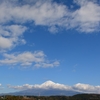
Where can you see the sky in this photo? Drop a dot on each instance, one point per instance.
(49, 42)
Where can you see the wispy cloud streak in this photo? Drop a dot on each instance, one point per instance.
(36, 59)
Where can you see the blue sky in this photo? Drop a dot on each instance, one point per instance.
(55, 40)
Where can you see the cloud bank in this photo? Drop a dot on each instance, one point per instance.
(79, 87)
(14, 14)
(85, 18)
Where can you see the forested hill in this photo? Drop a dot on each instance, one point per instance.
(75, 97)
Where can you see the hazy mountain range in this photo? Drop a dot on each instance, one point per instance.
(46, 92)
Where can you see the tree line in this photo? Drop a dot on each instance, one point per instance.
(75, 97)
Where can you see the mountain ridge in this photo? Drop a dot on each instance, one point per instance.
(49, 88)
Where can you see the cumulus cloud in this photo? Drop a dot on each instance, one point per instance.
(87, 88)
(86, 18)
(79, 87)
(37, 59)
(11, 35)
(13, 15)
(46, 85)
(42, 13)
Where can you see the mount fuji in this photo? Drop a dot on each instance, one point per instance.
(48, 88)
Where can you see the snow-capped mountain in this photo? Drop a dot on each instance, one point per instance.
(52, 88)
(46, 89)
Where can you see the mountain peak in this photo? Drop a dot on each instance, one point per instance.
(49, 82)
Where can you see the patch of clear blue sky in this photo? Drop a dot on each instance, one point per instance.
(78, 54)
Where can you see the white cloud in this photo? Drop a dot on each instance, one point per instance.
(86, 18)
(37, 59)
(84, 88)
(42, 13)
(11, 35)
(5, 43)
(50, 84)
(48, 13)
(1, 87)
(0, 84)
(46, 85)
(87, 88)
(53, 29)
(47, 64)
